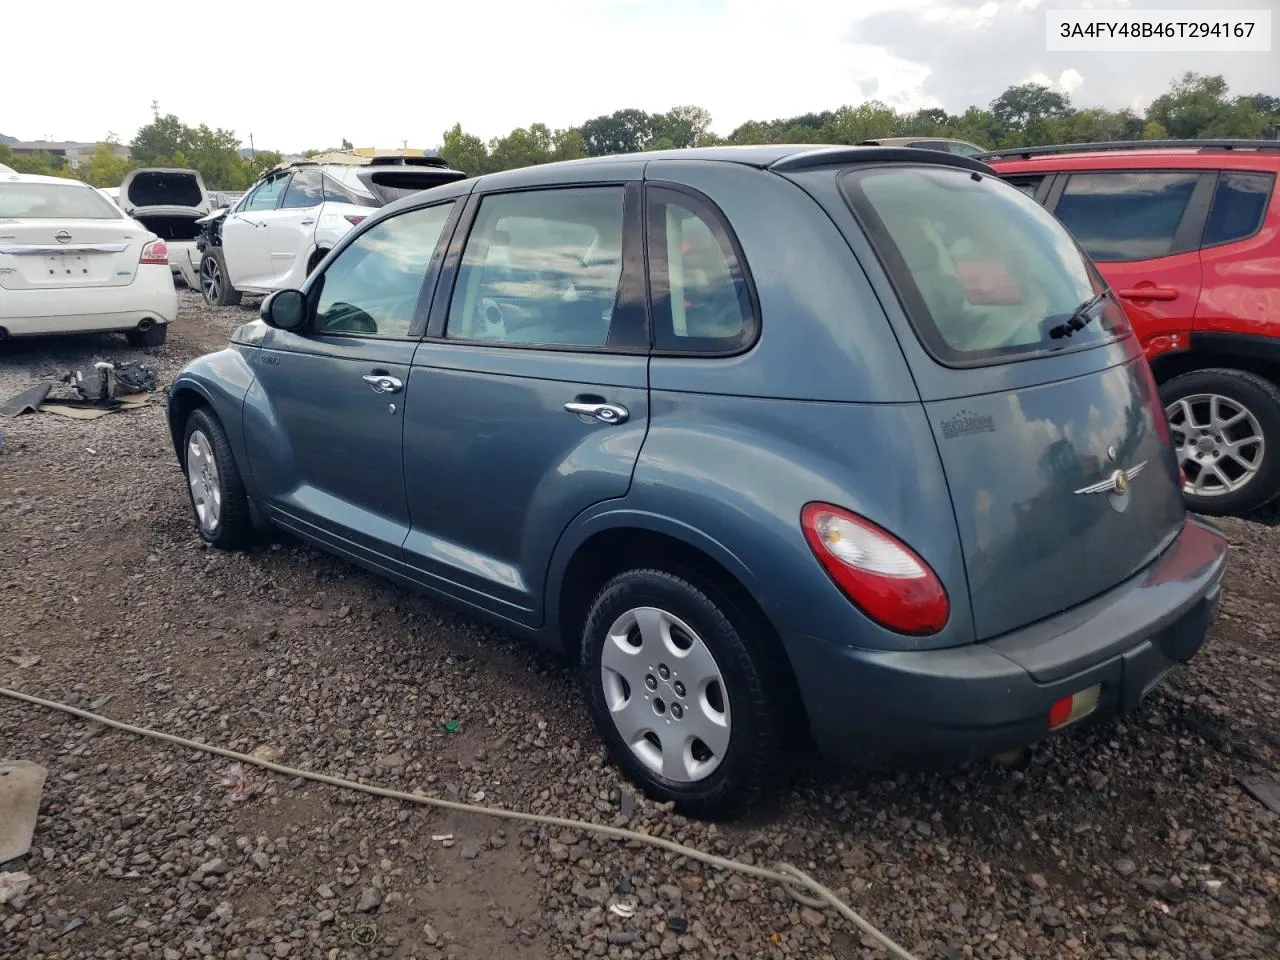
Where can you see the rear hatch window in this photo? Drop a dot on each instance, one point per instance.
(53, 201)
(1047, 420)
(164, 189)
(985, 274)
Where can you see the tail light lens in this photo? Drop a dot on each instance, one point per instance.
(354, 218)
(157, 251)
(883, 577)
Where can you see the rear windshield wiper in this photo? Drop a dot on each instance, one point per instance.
(1079, 317)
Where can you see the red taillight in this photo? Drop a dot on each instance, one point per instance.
(354, 218)
(884, 577)
(157, 251)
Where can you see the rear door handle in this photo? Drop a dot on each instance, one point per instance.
(612, 413)
(383, 383)
(1148, 293)
(307, 223)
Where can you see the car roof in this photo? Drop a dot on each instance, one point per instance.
(1196, 154)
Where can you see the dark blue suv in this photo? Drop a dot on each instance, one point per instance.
(780, 443)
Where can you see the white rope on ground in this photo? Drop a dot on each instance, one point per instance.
(792, 879)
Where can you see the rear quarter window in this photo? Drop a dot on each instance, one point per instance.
(1239, 204)
(984, 273)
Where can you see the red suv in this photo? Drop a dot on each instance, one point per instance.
(1187, 234)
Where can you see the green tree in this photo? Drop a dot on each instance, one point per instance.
(464, 151)
(682, 126)
(1022, 104)
(105, 168)
(1197, 107)
(623, 131)
(864, 122)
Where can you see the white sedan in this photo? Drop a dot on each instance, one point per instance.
(72, 262)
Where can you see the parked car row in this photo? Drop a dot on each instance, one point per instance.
(1187, 234)
(780, 444)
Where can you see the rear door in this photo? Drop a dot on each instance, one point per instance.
(1240, 258)
(1142, 228)
(64, 235)
(1046, 417)
(530, 398)
(291, 229)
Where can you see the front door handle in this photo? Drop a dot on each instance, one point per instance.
(1148, 293)
(383, 383)
(612, 413)
(307, 223)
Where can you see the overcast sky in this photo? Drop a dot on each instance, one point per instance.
(299, 75)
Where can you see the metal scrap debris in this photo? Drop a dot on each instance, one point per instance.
(104, 388)
(21, 783)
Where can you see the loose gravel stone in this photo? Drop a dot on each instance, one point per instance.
(167, 853)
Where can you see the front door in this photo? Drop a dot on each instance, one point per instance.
(1143, 228)
(328, 453)
(530, 399)
(245, 246)
(290, 228)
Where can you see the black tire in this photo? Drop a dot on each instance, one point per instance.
(759, 724)
(153, 336)
(215, 282)
(1255, 394)
(233, 527)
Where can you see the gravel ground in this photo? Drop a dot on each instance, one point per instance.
(1132, 840)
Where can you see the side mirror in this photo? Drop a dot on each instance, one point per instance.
(285, 310)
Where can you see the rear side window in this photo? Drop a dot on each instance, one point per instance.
(1027, 184)
(54, 201)
(542, 268)
(305, 190)
(1239, 204)
(1125, 216)
(701, 299)
(984, 273)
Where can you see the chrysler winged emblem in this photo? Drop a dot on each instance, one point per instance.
(1117, 484)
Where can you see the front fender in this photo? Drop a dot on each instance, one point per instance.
(219, 381)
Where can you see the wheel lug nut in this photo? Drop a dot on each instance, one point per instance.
(677, 711)
(663, 672)
(679, 687)
(651, 682)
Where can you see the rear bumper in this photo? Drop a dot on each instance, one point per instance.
(945, 706)
(151, 296)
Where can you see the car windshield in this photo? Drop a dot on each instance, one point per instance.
(984, 272)
(54, 201)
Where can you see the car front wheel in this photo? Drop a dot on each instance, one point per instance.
(215, 282)
(679, 694)
(213, 483)
(1226, 430)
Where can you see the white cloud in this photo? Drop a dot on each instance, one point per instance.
(1069, 80)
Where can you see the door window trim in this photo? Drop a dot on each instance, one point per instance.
(628, 337)
(706, 210)
(426, 290)
(1191, 227)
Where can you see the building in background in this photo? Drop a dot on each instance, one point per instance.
(73, 151)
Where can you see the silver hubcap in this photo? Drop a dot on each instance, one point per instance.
(210, 278)
(202, 475)
(665, 694)
(1219, 442)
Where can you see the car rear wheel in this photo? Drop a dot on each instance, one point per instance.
(213, 483)
(215, 283)
(677, 690)
(1226, 430)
